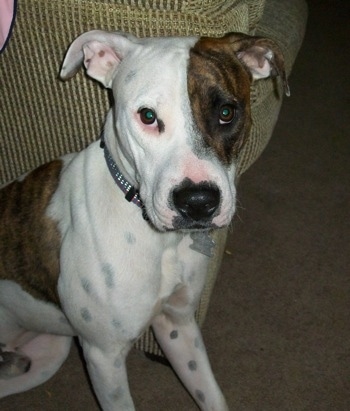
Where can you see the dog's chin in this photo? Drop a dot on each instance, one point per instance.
(188, 225)
(181, 224)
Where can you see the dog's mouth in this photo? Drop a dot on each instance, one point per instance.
(190, 207)
(178, 223)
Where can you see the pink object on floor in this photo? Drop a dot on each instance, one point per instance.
(7, 14)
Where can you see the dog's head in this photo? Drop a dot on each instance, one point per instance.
(181, 116)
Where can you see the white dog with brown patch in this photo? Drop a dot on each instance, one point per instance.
(103, 243)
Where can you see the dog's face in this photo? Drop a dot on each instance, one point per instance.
(181, 115)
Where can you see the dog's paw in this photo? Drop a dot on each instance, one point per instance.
(13, 364)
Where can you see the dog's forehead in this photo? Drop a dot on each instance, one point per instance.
(161, 61)
(157, 60)
(214, 62)
(154, 75)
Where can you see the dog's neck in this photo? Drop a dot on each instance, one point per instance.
(115, 147)
(131, 194)
(202, 242)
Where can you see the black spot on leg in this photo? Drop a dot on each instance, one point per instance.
(86, 315)
(198, 343)
(174, 334)
(200, 396)
(192, 365)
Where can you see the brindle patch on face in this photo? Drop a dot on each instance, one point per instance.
(29, 240)
(217, 78)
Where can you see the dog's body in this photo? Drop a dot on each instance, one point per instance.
(78, 259)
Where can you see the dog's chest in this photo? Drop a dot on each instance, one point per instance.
(144, 265)
(176, 268)
(118, 293)
(110, 247)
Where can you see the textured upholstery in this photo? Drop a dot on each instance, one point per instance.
(68, 116)
(42, 118)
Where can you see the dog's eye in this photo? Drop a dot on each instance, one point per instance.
(148, 116)
(226, 114)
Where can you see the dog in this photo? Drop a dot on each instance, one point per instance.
(103, 243)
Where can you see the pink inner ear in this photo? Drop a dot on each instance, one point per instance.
(257, 60)
(100, 61)
(6, 17)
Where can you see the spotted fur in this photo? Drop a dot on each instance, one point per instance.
(76, 258)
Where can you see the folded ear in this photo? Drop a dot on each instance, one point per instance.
(261, 56)
(100, 51)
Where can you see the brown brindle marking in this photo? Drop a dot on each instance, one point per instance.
(29, 240)
(216, 77)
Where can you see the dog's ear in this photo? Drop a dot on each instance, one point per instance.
(100, 51)
(260, 55)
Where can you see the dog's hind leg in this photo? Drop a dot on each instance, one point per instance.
(33, 361)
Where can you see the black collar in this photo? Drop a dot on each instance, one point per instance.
(131, 194)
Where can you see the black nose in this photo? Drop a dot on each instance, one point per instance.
(196, 201)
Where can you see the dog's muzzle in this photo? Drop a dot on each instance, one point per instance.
(196, 204)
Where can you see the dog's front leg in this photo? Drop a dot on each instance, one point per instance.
(108, 375)
(182, 343)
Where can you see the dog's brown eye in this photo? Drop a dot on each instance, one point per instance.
(148, 116)
(226, 114)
